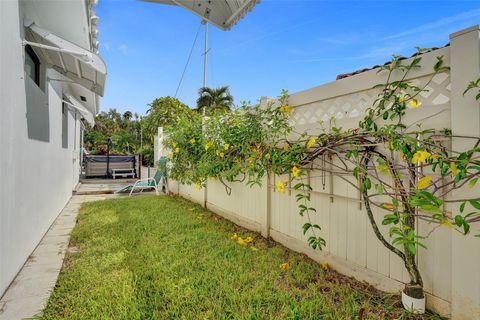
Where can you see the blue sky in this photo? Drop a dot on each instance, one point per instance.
(281, 44)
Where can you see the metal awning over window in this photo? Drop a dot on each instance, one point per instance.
(75, 62)
(76, 106)
(222, 13)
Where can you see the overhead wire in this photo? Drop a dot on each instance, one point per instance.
(188, 59)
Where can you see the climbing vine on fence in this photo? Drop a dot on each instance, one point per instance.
(405, 169)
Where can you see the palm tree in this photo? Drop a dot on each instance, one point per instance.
(213, 99)
(127, 115)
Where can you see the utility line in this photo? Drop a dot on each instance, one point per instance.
(188, 60)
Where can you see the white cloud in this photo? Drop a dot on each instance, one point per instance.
(123, 48)
(105, 45)
(435, 24)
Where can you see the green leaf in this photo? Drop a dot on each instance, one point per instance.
(431, 208)
(355, 172)
(306, 227)
(466, 228)
(411, 248)
(459, 220)
(472, 182)
(475, 204)
(368, 183)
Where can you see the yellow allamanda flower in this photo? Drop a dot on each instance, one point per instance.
(421, 156)
(311, 142)
(177, 150)
(453, 168)
(424, 182)
(401, 100)
(383, 168)
(286, 146)
(387, 205)
(445, 222)
(221, 154)
(286, 109)
(170, 156)
(280, 186)
(414, 103)
(192, 141)
(198, 185)
(296, 171)
(226, 146)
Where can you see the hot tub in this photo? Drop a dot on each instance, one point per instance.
(96, 165)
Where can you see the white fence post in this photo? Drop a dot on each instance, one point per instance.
(266, 221)
(465, 67)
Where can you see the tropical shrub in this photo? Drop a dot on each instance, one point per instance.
(405, 170)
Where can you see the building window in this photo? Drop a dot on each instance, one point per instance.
(32, 65)
(64, 126)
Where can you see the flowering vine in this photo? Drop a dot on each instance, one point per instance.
(406, 170)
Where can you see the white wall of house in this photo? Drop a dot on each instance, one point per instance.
(36, 176)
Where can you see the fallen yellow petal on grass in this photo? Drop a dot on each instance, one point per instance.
(208, 145)
(248, 239)
(253, 248)
(325, 265)
(285, 266)
(241, 241)
(234, 237)
(424, 182)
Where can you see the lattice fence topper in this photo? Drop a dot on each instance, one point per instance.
(437, 93)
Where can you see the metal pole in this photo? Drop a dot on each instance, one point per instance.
(203, 111)
(205, 56)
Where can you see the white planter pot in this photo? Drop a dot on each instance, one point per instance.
(414, 305)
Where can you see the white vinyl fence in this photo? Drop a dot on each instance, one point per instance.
(451, 265)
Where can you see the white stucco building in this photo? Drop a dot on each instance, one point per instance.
(51, 78)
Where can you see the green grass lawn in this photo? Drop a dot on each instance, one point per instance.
(150, 257)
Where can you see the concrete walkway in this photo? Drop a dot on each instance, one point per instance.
(29, 292)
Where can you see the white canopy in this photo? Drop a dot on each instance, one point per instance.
(76, 106)
(75, 62)
(222, 13)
